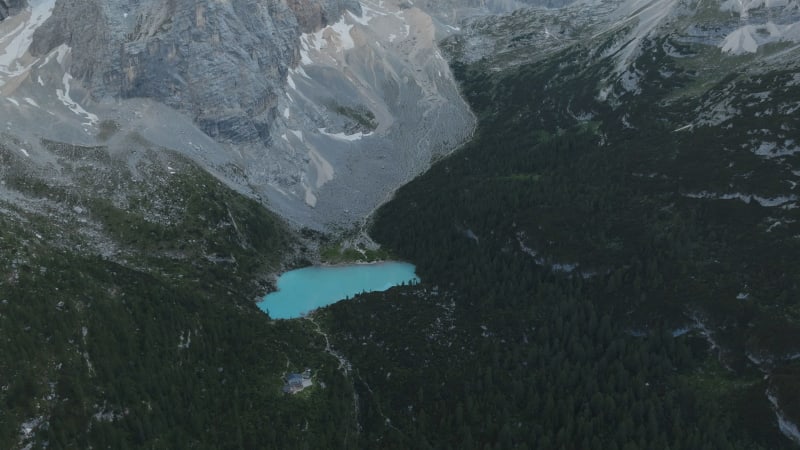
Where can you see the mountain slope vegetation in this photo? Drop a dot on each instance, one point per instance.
(610, 263)
(126, 314)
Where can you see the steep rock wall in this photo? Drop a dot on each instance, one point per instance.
(314, 14)
(222, 62)
(321, 108)
(10, 7)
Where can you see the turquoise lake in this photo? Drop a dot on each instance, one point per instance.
(303, 290)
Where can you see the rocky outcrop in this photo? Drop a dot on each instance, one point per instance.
(82, 25)
(315, 14)
(11, 7)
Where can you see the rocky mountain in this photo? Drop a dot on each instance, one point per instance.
(252, 81)
(614, 244)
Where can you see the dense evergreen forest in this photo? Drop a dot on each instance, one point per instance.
(577, 295)
(159, 343)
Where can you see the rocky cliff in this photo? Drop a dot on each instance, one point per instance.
(222, 62)
(322, 107)
(10, 7)
(314, 14)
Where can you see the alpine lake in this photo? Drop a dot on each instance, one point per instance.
(303, 290)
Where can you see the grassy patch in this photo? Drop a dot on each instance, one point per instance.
(360, 114)
(337, 253)
(524, 177)
(718, 382)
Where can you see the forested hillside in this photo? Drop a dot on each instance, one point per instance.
(144, 335)
(589, 284)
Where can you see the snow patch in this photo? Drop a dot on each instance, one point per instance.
(342, 32)
(31, 102)
(787, 427)
(336, 37)
(12, 101)
(775, 150)
(72, 105)
(740, 41)
(14, 45)
(345, 137)
(748, 38)
(59, 53)
(747, 198)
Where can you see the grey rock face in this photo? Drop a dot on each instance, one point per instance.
(222, 62)
(11, 7)
(455, 10)
(272, 96)
(314, 14)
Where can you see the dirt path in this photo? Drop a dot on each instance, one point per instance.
(344, 364)
(345, 367)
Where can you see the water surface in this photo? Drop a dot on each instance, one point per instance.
(302, 290)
